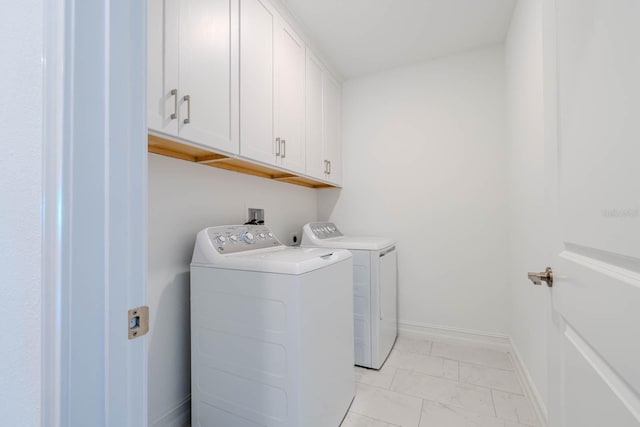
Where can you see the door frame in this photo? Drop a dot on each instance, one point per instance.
(94, 212)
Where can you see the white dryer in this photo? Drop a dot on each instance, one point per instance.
(271, 331)
(375, 282)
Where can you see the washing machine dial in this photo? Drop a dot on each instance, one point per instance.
(261, 236)
(221, 240)
(233, 238)
(247, 237)
(270, 235)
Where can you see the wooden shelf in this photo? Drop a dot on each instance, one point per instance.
(183, 151)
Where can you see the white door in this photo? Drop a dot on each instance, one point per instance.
(593, 153)
(257, 25)
(208, 73)
(289, 97)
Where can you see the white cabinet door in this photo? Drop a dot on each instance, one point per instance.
(290, 97)
(193, 52)
(208, 73)
(331, 118)
(314, 124)
(257, 25)
(323, 123)
(162, 69)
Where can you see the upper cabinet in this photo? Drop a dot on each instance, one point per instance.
(272, 88)
(322, 123)
(232, 85)
(193, 77)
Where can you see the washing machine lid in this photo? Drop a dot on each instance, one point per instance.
(285, 260)
(327, 235)
(255, 248)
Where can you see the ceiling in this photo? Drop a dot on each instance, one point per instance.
(364, 36)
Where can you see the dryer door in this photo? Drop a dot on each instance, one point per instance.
(387, 302)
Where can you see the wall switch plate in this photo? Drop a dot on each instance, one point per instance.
(255, 214)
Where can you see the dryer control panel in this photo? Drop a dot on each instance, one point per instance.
(228, 239)
(325, 230)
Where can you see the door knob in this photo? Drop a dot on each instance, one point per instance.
(545, 276)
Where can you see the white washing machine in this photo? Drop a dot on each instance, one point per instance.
(271, 331)
(375, 282)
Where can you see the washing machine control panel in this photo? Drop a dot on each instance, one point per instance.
(228, 239)
(325, 230)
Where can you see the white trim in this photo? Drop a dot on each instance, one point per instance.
(52, 238)
(491, 339)
(530, 389)
(113, 259)
(180, 416)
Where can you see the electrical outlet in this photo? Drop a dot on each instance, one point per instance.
(294, 239)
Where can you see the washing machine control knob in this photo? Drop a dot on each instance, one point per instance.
(270, 235)
(247, 237)
(233, 238)
(221, 240)
(261, 235)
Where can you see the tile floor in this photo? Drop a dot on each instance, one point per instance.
(441, 384)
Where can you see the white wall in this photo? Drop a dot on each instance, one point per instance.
(21, 42)
(183, 199)
(424, 152)
(530, 306)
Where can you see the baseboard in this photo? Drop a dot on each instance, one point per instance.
(488, 339)
(180, 416)
(447, 333)
(530, 387)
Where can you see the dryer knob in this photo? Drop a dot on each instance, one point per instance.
(247, 237)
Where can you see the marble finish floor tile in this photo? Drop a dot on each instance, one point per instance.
(498, 379)
(387, 405)
(434, 383)
(438, 415)
(381, 378)
(472, 354)
(514, 407)
(412, 345)
(448, 392)
(435, 366)
(357, 420)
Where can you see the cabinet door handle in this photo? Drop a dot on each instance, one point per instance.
(174, 92)
(284, 149)
(277, 147)
(188, 99)
(329, 164)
